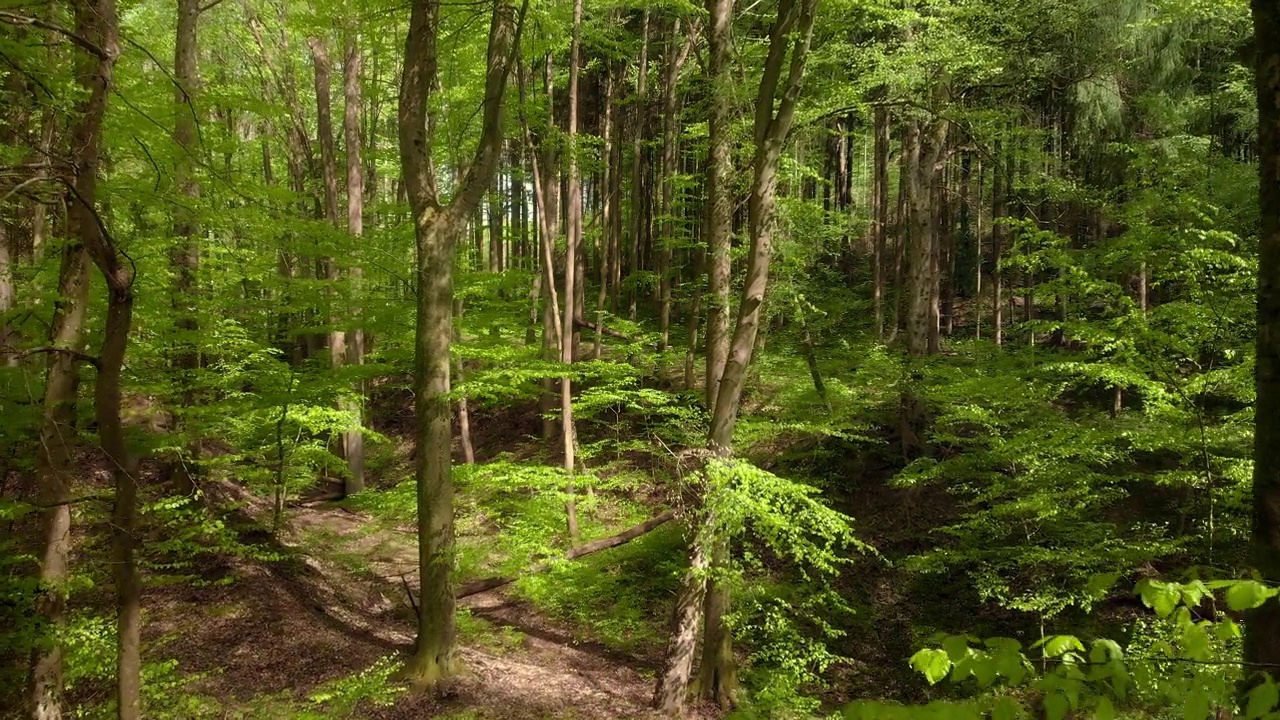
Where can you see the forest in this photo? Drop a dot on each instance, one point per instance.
(507, 359)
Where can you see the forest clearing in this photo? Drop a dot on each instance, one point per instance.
(581, 359)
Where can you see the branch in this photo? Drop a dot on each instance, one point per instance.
(210, 6)
(75, 354)
(13, 18)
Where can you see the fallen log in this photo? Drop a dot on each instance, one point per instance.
(475, 587)
(600, 330)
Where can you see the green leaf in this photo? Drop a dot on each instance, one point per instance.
(1055, 706)
(1099, 584)
(1261, 700)
(957, 647)
(1247, 595)
(932, 663)
(1159, 596)
(1057, 645)
(1010, 665)
(1004, 709)
(1105, 710)
(1197, 704)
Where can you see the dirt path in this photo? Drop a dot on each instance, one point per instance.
(285, 631)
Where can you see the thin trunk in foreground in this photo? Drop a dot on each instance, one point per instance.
(1262, 637)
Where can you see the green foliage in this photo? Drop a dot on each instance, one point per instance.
(1186, 661)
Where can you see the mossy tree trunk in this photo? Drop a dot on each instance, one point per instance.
(436, 229)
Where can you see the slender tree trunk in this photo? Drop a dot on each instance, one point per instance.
(1262, 636)
(572, 243)
(436, 228)
(606, 212)
(779, 88)
(719, 192)
(96, 22)
(464, 414)
(691, 322)
(677, 51)
(353, 438)
(8, 257)
(638, 215)
(185, 257)
(54, 474)
(999, 210)
(546, 215)
(881, 209)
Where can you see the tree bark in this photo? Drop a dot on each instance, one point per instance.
(639, 217)
(436, 228)
(1262, 637)
(1000, 208)
(185, 257)
(925, 146)
(572, 242)
(54, 472)
(677, 51)
(719, 192)
(353, 438)
(881, 209)
(97, 23)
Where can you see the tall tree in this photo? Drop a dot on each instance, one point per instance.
(1262, 640)
(573, 241)
(720, 198)
(185, 257)
(775, 108)
(352, 438)
(436, 229)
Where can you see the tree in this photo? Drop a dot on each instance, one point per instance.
(780, 84)
(573, 245)
(1262, 641)
(720, 198)
(436, 228)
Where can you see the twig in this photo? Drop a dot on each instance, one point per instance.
(412, 603)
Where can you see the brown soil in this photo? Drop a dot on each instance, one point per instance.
(281, 630)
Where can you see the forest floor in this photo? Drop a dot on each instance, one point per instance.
(284, 633)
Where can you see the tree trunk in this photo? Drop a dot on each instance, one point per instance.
(54, 470)
(185, 257)
(353, 438)
(720, 199)
(97, 23)
(573, 240)
(606, 210)
(1262, 636)
(923, 151)
(881, 209)
(672, 692)
(638, 215)
(436, 228)
(8, 256)
(999, 210)
(677, 51)
(464, 414)
(792, 29)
